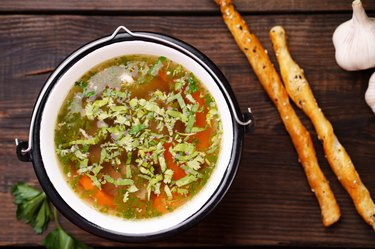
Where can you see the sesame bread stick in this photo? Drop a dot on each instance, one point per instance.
(272, 84)
(300, 92)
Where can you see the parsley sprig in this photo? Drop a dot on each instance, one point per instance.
(34, 208)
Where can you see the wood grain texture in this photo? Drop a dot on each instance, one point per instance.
(269, 202)
(179, 6)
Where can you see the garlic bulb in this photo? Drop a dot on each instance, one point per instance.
(354, 40)
(370, 93)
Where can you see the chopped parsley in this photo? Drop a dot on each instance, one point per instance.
(192, 84)
(157, 66)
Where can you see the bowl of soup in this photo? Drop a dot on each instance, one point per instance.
(135, 136)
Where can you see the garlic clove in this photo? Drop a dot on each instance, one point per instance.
(354, 40)
(370, 93)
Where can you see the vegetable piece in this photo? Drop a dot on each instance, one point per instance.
(163, 204)
(104, 199)
(101, 197)
(271, 82)
(163, 75)
(169, 160)
(86, 183)
(204, 137)
(32, 206)
(354, 41)
(160, 203)
(200, 117)
(300, 92)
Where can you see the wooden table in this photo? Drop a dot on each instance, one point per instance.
(269, 202)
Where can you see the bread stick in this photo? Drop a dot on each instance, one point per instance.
(300, 92)
(272, 84)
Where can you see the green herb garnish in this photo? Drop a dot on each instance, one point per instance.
(88, 94)
(33, 208)
(154, 70)
(136, 129)
(192, 84)
(59, 239)
(83, 84)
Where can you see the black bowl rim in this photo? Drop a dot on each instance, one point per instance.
(208, 207)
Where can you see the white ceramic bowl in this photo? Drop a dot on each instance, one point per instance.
(42, 147)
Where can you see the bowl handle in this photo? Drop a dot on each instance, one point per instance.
(21, 147)
(117, 31)
(249, 121)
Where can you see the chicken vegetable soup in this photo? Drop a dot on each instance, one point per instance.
(138, 136)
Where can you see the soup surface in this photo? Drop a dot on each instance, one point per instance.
(138, 136)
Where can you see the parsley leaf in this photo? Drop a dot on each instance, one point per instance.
(59, 239)
(186, 180)
(136, 128)
(208, 100)
(88, 94)
(192, 84)
(154, 70)
(32, 206)
(83, 84)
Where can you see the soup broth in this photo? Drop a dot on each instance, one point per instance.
(138, 136)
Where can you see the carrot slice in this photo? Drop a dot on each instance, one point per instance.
(200, 117)
(163, 205)
(86, 183)
(204, 137)
(198, 98)
(163, 75)
(102, 198)
(169, 160)
(160, 204)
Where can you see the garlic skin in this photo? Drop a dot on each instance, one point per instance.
(354, 41)
(370, 93)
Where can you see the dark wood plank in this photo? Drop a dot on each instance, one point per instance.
(269, 202)
(194, 6)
